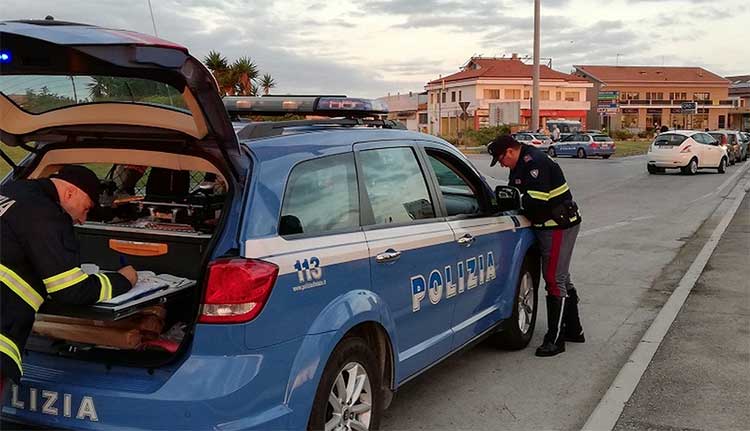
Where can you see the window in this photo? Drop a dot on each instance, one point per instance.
(422, 118)
(630, 96)
(459, 95)
(458, 194)
(453, 96)
(558, 95)
(526, 95)
(654, 96)
(491, 94)
(395, 186)
(432, 98)
(670, 139)
(321, 196)
(722, 121)
(678, 96)
(443, 97)
(512, 94)
(701, 96)
(544, 95)
(572, 96)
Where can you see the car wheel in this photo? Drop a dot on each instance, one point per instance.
(606, 156)
(551, 152)
(651, 169)
(731, 159)
(722, 165)
(691, 168)
(517, 333)
(349, 396)
(581, 154)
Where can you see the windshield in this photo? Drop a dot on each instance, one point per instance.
(41, 93)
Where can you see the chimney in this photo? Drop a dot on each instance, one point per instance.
(514, 56)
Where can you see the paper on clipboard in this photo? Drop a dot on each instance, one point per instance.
(148, 282)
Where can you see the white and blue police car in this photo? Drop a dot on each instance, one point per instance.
(346, 255)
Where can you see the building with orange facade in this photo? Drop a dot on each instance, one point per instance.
(648, 96)
(502, 82)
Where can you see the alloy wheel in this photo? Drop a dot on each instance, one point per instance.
(350, 400)
(525, 303)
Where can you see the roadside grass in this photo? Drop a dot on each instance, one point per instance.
(631, 148)
(15, 153)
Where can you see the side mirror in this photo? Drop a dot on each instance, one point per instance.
(508, 198)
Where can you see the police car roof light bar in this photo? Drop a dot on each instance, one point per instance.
(276, 128)
(328, 106)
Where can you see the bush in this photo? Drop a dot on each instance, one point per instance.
(622, 134)
(645, 134)
(483, 136)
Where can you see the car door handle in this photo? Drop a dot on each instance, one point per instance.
(389, 255)
(466, 240)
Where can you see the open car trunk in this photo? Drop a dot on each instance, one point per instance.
(160, 212)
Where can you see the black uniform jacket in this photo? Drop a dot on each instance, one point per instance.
(38, 261)
(546, 198)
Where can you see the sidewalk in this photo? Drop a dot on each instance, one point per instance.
(699, 378)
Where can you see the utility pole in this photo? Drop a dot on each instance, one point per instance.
(153, 21)
(535, 88)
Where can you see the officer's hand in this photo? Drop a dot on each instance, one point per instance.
(129, 273)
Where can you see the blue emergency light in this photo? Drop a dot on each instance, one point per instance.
(327, 106)
(5, 57)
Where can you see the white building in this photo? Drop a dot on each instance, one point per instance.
(409, 108)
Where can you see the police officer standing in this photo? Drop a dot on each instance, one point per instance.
(39, 257)
(548, 203)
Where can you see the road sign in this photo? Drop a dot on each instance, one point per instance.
(608, 95)
(606, 110)
(689, 107)
(463, 105)
(464, 116)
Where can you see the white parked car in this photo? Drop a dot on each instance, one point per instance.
(687, 150)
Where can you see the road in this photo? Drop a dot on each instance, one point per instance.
(640, 233)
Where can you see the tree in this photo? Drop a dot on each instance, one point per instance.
(267, 83)
(244, 73)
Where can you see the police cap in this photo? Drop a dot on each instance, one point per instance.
(497, 147)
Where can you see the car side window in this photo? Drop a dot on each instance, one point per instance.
(459, 195)
(395, 185)
(321, 196)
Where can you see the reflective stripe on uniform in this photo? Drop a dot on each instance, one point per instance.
(66, 279)
(21, 287)
(552, 223)
(8, 347)
(542, 196)
(106, 291)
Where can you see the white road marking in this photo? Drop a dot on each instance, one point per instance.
(603, 229)
(609, 409)
(724, 184)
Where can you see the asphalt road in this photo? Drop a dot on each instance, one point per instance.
(640, 232)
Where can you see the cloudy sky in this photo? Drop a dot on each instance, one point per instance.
(370, 48)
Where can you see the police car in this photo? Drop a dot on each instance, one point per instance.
(345, 256)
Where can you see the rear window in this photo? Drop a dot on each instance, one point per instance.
(41, 93)
(669, 139)
(540, 136)
(717, 136)
(602, 138)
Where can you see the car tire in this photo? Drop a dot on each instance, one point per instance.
(581, 154)
(351, 359)
(519, 329)
(552, 152)
(606, 156)
(722, 166)
(651, 169)
(691, 168)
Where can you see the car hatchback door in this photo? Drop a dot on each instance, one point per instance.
(409, 249)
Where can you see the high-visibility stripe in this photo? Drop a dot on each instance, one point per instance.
(552, 223)
(66, 279)
(21, 287)
(105, 294)
(8, 347)
(543, 196)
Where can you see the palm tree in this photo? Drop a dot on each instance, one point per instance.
(244, 73)
(219, 66)
(267, 83)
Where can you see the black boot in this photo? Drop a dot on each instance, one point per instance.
(554, 341)
(572, 324)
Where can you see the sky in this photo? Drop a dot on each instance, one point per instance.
(375, 47)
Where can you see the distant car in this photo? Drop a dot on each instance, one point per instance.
(687, 150)
(539, 140)
(746, 139)
(583, 145)
(731, 140)
(566, 127)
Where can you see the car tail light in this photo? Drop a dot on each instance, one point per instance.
(536, 142)
(594, 145)
(237, 289)
(686, 149)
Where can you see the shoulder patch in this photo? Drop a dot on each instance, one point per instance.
(518, 181)
(534, 173)
(527, 158)
(5, 204)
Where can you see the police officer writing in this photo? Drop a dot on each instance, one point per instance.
(548, 203)
(39, 258)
